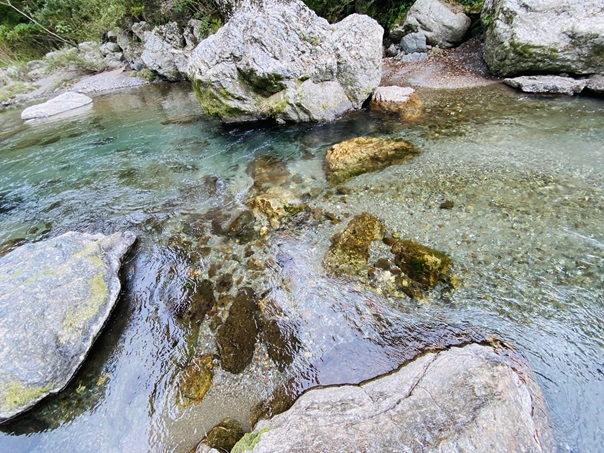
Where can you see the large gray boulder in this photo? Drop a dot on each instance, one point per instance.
(470, 399)
(442, 24)
(544, 36)
(55, 106)
(55, 297)
(163, 51)
(278, 59)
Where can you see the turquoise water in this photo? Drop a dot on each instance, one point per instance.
(527, 178)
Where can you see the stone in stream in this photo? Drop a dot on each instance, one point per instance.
(278, 59)
(544, 36)
(401, 100)
(349, 251)
(237, 336)
(421, 264)
(60, 104)
(224, 435)
(473, 398)
(55, 297)
(548, 84)
(364, 154)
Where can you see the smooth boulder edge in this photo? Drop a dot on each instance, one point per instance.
(474, 398)
(55, 297)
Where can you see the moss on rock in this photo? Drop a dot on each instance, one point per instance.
(420, 263)
(248, 441)
(349, 251)
(15, 394)
(195, 380)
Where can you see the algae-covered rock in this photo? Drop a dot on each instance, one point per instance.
(544, 36)
(224, 435)
(349, 251)
(237, 336)
(195, 380)
(403, 101)
(422, 264)
(364, 154)
(281, 342)
(55, 297)
(278, 59)
(276, 205)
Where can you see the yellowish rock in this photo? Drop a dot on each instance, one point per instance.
(403, 101)
(364, 154)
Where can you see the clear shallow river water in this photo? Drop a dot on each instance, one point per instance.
(526, 233)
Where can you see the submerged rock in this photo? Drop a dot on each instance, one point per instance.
(544, 36)
(61, 104)
(401, 100)
(547, 84)
(473, 398)
(195, 380)
(349, 251)
(439, 22)
(55, 297)
(278, 59)
(237, 336)
(224, 435)
(364, 154)
(420, 263)
(276, 205)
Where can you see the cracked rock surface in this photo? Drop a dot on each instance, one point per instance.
(473, 398)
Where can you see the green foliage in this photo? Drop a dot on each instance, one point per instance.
(15, 88)
(72, 58)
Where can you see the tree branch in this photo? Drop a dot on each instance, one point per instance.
(10, 5)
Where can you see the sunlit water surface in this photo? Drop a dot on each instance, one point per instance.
(526, 176)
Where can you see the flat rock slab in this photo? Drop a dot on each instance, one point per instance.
(547, 84)
(55, 297)
(471, 399)
(61, 104)
(118, 79)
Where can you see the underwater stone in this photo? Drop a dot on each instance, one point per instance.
(364, 154)
(237, 336)
(195, 380)
(224, 435)
(349, 251)
(55, 297)
(281, 343)
(422, 264)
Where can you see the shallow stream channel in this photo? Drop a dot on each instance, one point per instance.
(222, 316)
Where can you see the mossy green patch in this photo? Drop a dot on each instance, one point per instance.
(80, 314)
(349, 251)
(422, 264)
(14, 89)
(216, 103)
(264, 84)
(16, 394)
(274, 105)
(248, 441)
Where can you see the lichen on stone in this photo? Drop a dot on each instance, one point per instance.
(15, 394)
(248, 441)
